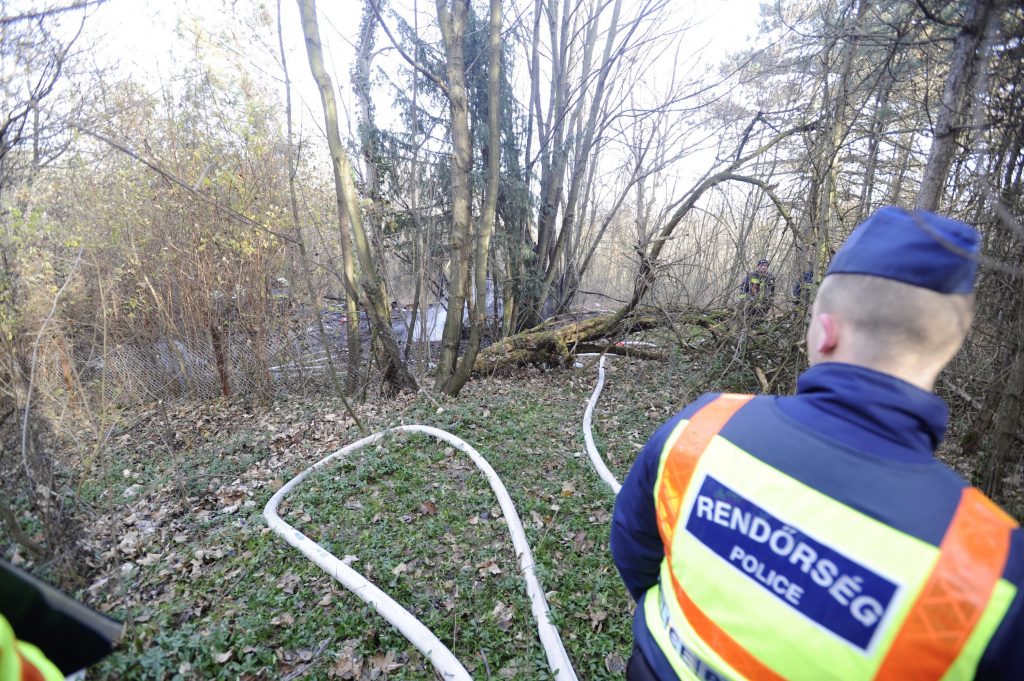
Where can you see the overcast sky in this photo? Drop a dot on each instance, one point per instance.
(151, 38)
(153, 41)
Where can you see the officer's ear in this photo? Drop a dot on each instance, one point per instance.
(824, 336)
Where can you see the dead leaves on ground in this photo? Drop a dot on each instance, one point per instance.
(349, 665)
(177, 526)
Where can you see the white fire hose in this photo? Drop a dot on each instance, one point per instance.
(446, 664)
(425, 641)
(588, 419)
(588, 435)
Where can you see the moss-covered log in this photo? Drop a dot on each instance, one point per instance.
(610, 348)
(558, 345)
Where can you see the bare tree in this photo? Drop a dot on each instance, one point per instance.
(452, 19)
(373, 291)
(967, 63)
(486, 228)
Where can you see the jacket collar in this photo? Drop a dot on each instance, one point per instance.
(869, 410)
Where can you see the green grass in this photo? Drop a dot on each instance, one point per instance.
(182, 555)
(213, 594)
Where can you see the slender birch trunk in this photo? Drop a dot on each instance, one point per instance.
(374, 293)
(483, 238)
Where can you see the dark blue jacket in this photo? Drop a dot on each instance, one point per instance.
(872, 437)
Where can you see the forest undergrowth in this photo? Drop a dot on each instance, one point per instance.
(208, 591)
(179, 551)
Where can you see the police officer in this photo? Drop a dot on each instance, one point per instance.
(816, 536)
(758, 289)
(803, 288)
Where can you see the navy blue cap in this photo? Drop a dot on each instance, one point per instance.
(917, 248)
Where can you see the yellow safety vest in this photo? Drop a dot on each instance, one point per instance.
(20, 661)
(765, 577)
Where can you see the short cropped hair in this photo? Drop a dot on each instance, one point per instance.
(893, 320)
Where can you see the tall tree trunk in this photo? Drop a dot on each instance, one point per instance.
(367, 129)
(300, 240)
(583, 150)
(553, 152)
(453, 29)
(375, 298)
(554, 156)
(483, 238)
(967, 62)
(832, 134)
(311, 31)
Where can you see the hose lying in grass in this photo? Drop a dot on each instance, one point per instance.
(588, 419)
(436, 652)
(588, 435)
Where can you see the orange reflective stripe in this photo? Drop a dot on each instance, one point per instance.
(735, 655)
(675, 478)
(29, 672)
(971, 560)
(683, 457)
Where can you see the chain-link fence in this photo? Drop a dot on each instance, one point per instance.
(285, 354)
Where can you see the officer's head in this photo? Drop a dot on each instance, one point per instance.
(762, 266)
(898, 296)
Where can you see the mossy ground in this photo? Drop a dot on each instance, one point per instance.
(208, 592)
(184, 557)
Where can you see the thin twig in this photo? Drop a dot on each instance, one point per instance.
(299, 671)
(32, 366)
(174, 179)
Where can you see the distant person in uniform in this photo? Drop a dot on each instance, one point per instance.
(758, 289)
(803, 288)
(815, 536)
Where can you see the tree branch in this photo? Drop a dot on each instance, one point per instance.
(412, 62)
(44, 13)
(768, 189)
(931, 16)
(173, 179)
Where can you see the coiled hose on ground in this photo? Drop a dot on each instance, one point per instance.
(446, 664)
(418, 634)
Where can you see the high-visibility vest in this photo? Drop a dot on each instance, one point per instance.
(20, 661)
(758, 287)
(765, 577)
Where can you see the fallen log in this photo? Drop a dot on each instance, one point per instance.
(619, 349)
(560, 345)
